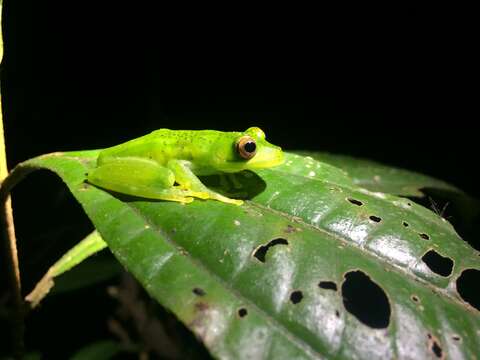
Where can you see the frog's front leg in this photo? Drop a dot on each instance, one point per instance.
(188, 180)
(138, 177)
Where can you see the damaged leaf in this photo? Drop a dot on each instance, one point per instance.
(294, 271)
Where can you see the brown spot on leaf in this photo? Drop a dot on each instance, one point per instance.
(291, 229)
(201, 306)
(85, 187)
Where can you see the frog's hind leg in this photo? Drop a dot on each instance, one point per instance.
(188, 180)
(138, 177)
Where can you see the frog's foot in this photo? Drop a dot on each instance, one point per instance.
(234, 194)
(197, 194)
(233, 201)
(218, 197)
(204, 195)
(190, 185)
(183, 191)
(178, 196)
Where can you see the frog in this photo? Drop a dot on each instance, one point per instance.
(166, 164)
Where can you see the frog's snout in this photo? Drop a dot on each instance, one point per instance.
(268, 157)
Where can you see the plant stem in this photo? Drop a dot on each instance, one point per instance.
(9, 236)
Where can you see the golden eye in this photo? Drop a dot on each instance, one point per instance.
(246, 147)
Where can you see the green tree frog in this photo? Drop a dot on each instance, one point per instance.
(165, 163)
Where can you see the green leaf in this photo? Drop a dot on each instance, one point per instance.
(445, 199)
(100, 350)
(374, 176)
(90, 245)
(293, 272)
(92, 271)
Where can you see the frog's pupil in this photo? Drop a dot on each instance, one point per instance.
(250, 147)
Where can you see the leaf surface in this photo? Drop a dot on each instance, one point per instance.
(374, 176)
(293, 272)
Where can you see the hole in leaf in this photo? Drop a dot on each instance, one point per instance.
(437, 263)
(467, 287)
(329, 285)
(456, 338)
(435, 346)
(242, 312)
(296, 296)
(365, 300)
(375, 218)
(415, 298)
(355, 201)
(337, 313)
(424, 236)
(198, 291)
(261, 251)
(405, 224)
(437, 350)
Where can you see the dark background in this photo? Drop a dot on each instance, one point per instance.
(393, 85)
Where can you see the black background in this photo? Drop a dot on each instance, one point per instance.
(394, 85)
(388, 84)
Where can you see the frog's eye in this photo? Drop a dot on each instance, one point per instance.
(246, 147)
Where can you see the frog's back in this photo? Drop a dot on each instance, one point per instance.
(163, 144)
